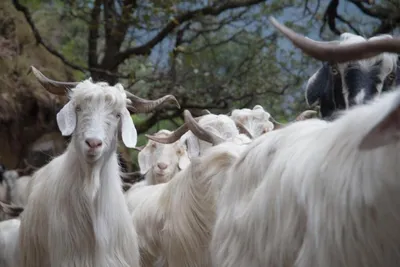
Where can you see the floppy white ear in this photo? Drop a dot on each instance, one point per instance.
(193, 147)
(66, 119)
(144, 160)
(128, 130)
(386, 131)
(184, 160)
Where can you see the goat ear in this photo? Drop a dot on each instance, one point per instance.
(66, 119)
(386, 131)
(316, 85)
(184, 160)
(128, 130)
(144, 160)
(193, 146)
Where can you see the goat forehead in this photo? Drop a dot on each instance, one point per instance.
(385, 62)
(89, 93)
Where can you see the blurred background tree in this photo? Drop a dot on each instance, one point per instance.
(211, 54)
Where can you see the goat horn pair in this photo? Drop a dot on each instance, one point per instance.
(140, 105)
(332, 51)
(10, 209)
(192, 125)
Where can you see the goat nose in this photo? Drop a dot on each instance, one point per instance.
(162, 166)
(93, 142)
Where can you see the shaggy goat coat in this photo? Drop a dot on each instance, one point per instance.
(316, 193)
(76, 213)
(174, 220)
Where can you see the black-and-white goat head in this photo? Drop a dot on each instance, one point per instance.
(345, 80)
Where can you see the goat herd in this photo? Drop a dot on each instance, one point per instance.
(222, 190)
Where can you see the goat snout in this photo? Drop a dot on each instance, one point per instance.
(162, 166)
(93, 142)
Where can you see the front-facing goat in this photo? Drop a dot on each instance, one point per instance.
(160, 162)
(174, 220)
(316, 193)
(76, 214)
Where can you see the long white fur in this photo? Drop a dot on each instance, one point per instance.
(221, 125)
(76, 214)
(306, 195)
(174, 220)
(18, 187)
(8, 242)
(255, 120)
(173, 156)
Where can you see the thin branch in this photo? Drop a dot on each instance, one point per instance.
(372, 12)
(94, 33)
(40, 40)
(54, 52)
(146, 48)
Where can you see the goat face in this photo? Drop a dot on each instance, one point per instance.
(338, 86)
(163, 160)
(93, 116)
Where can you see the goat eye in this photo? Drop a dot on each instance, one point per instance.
(78, 108)
(334, 70)
(391, 76)
(118, 115)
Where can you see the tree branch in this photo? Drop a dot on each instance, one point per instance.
(372, 12)
(146, 48)
(94, 33)
(40, 40)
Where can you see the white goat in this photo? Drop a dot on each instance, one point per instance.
(221, 126)
(316, 193)
(174, 220)
(256, 120)
(8, 242)
(76, 214)
(160, 162)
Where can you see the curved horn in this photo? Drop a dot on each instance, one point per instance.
(11, 210)
(52, 86)
(199, 131)
(174, 136)
(307, 114)
(141, 105)
(243, 128)
(276, 123)
(326, 51)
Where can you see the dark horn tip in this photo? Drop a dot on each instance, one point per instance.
(176, 102)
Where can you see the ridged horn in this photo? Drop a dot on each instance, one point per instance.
(199, 131)
(328, 51)
(140, 105)
(52, 86)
